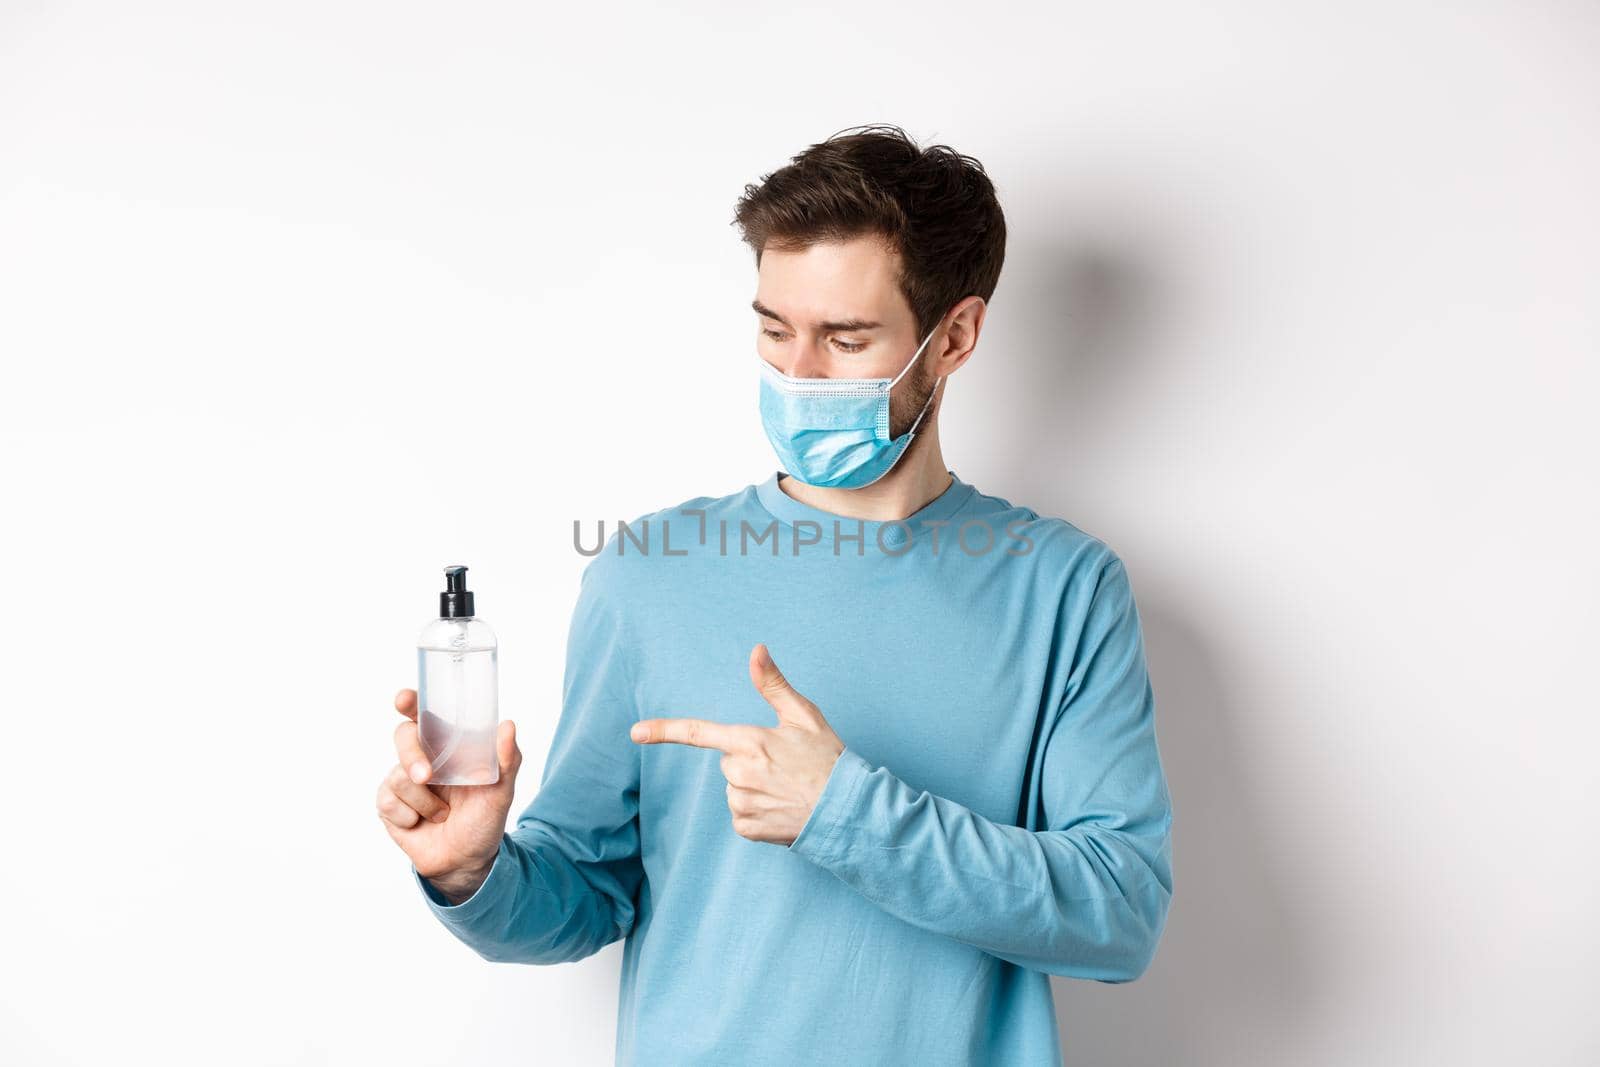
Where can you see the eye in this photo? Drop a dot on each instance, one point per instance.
(776, 335)
(846, 346)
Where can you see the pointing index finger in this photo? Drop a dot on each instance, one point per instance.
(700, 733)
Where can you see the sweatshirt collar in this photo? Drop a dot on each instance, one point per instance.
(787, 509)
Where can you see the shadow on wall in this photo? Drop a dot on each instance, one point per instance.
(1093, 317)
(1229, 977)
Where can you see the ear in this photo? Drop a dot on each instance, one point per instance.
(962, 326)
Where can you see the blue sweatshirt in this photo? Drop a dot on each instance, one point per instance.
(999, 814)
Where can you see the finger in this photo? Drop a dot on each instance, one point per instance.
(409, 748)
(419, 798)
(405, 702)
(775, 689)
(394, 811)
(697, 732)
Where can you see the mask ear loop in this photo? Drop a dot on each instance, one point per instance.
(938, 382)
(925, 405)
(913, 359)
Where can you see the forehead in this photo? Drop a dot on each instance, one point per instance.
(857, 278)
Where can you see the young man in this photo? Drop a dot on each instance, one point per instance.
(950, 791)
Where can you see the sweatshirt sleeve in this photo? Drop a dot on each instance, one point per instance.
(1084, 897)
(566, 878)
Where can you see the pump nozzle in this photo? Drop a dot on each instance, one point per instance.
(456, 601)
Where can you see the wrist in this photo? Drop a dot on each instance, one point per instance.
(458, 886)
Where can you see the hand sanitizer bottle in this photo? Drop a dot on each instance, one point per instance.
(458, 699)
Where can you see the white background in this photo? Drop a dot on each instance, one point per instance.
(300, 302)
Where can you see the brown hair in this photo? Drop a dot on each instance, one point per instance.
(933, 205)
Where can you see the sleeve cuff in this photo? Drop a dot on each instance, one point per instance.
(819, 840)
(494, 888)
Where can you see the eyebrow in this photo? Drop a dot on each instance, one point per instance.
(842, 325)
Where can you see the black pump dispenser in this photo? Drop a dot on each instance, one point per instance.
(455, 602)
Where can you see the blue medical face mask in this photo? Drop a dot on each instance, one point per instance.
(834, 432)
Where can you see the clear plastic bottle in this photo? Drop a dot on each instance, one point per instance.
(458, 690)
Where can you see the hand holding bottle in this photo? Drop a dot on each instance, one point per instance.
(451, 832)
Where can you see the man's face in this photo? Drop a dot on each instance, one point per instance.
(835, 311)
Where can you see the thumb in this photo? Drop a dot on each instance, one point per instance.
(508, 752)
(792, 708)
